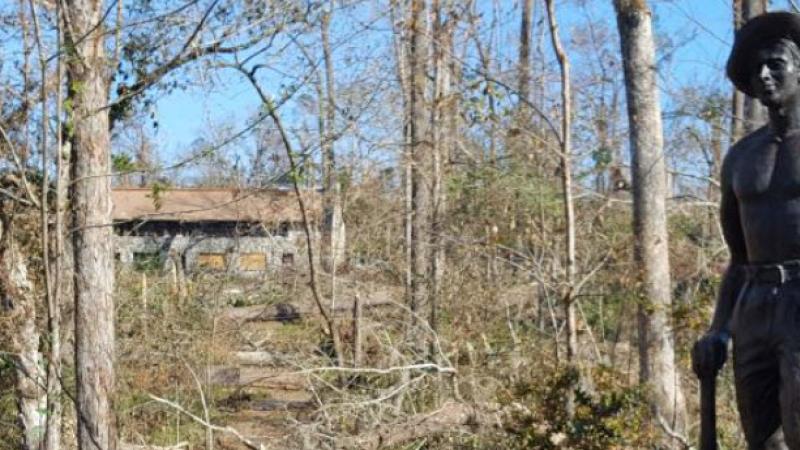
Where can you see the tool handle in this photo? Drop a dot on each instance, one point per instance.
(708, 413)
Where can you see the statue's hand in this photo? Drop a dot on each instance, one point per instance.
(709, 354)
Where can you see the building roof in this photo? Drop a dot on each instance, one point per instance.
(266, 205)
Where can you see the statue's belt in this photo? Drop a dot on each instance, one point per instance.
(773, 273)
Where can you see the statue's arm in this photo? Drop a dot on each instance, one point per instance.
(734, 278)
(732, 283)
(710, 352)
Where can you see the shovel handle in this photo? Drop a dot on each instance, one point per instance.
(708, 413)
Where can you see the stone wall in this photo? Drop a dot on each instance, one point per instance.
(238, 254)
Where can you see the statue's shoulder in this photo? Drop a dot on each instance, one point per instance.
(746, 149)
(749, 144)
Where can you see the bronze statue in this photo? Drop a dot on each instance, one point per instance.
(759, 301)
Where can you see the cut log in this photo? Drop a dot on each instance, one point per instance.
(257, 358)
(285, 312)
(256, 377)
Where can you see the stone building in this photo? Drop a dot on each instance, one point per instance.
(215, 229)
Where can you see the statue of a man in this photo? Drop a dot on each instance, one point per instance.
(759, 302)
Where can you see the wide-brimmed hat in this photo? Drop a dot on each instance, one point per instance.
(757, 32)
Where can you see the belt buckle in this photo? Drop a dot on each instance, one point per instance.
(782, 273)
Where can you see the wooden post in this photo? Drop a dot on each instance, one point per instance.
(357, 314)
(144, 304)
(173, 271)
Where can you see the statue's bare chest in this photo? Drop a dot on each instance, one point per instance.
(770, 172)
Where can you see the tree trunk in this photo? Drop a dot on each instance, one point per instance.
(442, 124)
(62, 289)
(748, 114)
(334, 222)
(144, 156)
(737, 101)
(421, 157)
(19, 301)
(524, 61)
(754, 113)
(485, 56)
(31, 378)
(66, 254)
(87, 73)
(63, 323)
(52, 286)
(519, 142)
(656, 340)
(715, 169)
(358, 314)
(569, 209)
(400, 29)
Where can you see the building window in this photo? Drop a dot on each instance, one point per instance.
(283, 229)
(211, 261)
(288, 259)
(252, 261)
(146, 261)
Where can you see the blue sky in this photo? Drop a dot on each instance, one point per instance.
(702, 29)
